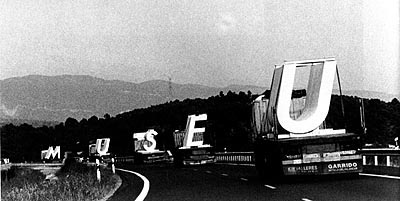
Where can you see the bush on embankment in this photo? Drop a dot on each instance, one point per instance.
(75, 182)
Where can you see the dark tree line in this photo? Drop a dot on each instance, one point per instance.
(228, 126)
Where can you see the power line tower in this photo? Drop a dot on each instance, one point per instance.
(170, 89)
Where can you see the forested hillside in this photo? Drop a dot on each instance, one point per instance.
(228, 126)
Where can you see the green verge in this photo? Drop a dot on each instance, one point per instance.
(75, 182)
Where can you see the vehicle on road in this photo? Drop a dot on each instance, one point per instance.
(145, 149)
(291, 133)
(189, 147)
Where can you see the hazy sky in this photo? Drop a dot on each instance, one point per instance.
(215, 43)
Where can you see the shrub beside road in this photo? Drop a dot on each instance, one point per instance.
(74, 181)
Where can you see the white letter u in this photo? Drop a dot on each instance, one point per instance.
(319, 90)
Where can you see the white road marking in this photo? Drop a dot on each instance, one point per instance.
(225, 175)
(195, 169)
(209, 172)
(146, 184)
(244, 179)
(382, 176)
(269, 186)
(306, 199)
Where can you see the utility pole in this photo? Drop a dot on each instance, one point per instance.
(170, 90)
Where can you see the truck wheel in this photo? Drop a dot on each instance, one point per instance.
(261, 163)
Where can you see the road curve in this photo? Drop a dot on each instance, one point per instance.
(146, 184)
(130, 189)
(224, 182)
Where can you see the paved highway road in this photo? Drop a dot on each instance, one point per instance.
(226, 182)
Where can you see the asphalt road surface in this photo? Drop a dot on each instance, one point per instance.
(227, 182)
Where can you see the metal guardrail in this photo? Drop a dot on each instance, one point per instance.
(374, 157)
(222, 157)
(124, 159)
(29, 165)
(381, 161)
(235, 157)
(381, 157)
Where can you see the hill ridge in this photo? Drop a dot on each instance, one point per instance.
(55, 98)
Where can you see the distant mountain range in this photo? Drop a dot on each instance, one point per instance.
(369, 94)
(55, 98)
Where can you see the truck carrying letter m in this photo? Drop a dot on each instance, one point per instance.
(51, 153)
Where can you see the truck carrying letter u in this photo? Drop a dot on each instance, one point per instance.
(319, 90)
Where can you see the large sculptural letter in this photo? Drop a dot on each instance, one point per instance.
(102, 146)
(144, 139)
(191, 130)
(319, 90)
(54, 153)
(150, 138)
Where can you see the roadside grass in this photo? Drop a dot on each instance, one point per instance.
(75, 182)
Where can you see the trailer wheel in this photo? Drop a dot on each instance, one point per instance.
(178, 159)
(267, 159)
(261, 164)
(261, 160)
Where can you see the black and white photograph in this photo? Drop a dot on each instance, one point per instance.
(115, 100)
